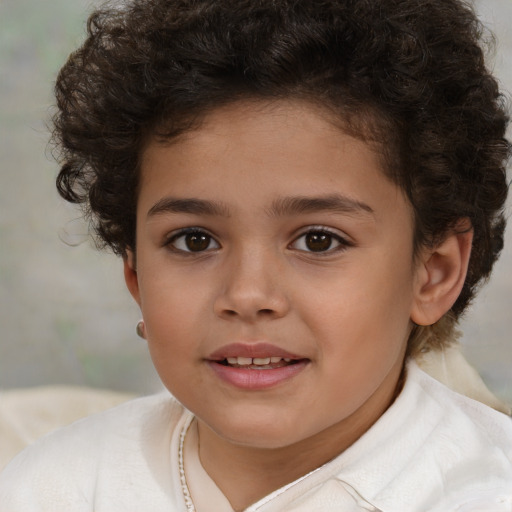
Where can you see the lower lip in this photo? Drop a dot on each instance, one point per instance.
(249, 379)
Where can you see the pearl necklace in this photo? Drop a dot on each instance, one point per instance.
(183, 479)
(187, 497)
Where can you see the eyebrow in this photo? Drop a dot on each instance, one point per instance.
(189, 205)
(280, 207)
(335, 203)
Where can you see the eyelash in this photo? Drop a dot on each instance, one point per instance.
(342, 243)
(170, 242)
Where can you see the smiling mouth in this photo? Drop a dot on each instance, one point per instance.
(256, 367)
(258, 363)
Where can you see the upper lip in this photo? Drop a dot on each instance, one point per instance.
(253, 350)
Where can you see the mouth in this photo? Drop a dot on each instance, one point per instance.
(256, 366)
(258, 363)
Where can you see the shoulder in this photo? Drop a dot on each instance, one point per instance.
(465, 418)
(463, 448)
(98, 456)
(433, 450)
(469, 447)
(28, 414)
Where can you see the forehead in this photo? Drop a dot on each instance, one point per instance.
(265, 151)
(361, 122)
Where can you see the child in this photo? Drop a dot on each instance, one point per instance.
(306, 195)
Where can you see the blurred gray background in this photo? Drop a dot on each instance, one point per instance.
(65, 317)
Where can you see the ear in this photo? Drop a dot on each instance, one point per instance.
(130, 275)
(440, 275)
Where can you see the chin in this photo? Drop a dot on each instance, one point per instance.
(257, 433)
(262, 440)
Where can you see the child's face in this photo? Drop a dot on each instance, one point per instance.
(269, 233)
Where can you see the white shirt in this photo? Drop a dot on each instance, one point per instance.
(433, 450)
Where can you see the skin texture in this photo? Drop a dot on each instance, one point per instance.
(346, 312)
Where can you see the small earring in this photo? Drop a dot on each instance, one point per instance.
(140, 329)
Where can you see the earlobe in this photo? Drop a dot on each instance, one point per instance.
(130, 275)
(440, 276)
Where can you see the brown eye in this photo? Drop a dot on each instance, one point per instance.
(197, 242)
(318, 242)
(193, 241)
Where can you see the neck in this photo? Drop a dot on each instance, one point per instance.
(246, 474)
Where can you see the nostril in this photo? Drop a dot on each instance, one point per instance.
(250, 307)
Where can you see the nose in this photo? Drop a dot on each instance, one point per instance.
(251, 289)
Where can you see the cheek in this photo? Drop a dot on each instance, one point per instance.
(173, 341)
(170, 298)
(173, 321)
(368, 307)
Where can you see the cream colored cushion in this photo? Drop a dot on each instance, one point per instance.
(450, 367)
(27, 414)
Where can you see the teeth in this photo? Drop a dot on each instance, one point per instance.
(263, 361)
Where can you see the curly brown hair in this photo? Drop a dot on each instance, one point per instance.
(408, 73)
